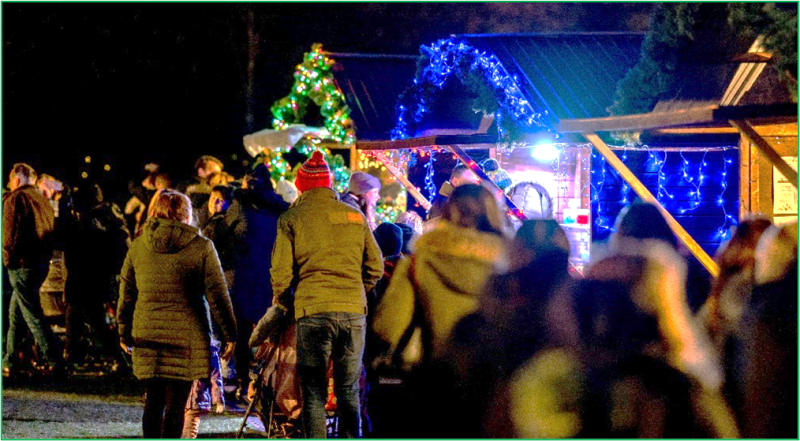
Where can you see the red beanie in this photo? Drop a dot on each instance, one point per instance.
(313, 173)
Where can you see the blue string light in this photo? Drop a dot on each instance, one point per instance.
(695, 202)
(446, 57)
(662, 189)
(724, 233)
(430, 187)
(599, 222)
(694, 172)
(625, 187)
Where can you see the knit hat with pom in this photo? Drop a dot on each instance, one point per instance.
(313, 173)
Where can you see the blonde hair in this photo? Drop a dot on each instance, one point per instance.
(473, 206)
(44, 177)
(412, 219)
(171, 205)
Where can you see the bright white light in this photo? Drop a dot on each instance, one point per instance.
(545, 152)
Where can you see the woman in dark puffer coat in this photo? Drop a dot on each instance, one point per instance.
(171, 286)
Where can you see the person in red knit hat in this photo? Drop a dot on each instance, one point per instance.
(324, 262)
(313, 173)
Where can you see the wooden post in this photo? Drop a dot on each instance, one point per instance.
(645, 194)
(746, 129)
(354, 158)
(380, 156)
(464, 157)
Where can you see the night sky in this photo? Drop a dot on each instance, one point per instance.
(128, 83)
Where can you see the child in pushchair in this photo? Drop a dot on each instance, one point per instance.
(274, 392)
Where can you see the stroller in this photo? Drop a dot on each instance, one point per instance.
(275, 390)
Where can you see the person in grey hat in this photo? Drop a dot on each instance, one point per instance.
(363, 193)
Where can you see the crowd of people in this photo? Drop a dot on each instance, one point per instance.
(452, 326)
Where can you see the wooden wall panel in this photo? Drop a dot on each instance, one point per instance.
(756, 192)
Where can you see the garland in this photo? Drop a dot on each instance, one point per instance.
(498, 92)
(313, 81)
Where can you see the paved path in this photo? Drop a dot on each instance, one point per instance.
(87, 408)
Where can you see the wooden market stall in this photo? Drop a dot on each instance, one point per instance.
(558, 90)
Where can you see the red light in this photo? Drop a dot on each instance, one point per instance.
(582, 219)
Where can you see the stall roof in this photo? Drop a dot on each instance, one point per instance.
(709, 116)
(571, 75)
(371, 84)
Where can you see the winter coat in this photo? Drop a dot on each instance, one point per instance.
(28, 220)
(327, 254)
(520, 314)
(96, 243)
(643, 367)
(171, 286)
(95, 246)
(767, 356)
(217, 231)
(246, 238)
(445, 277)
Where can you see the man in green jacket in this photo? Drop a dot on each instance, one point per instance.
(324, 261)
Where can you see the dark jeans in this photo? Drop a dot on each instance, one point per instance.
(26, 308)
(163, 407)
(338, 336)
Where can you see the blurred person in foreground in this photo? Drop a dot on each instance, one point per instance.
(642, 220)
(440, 284)
(171, 288)
(522, 312)
(730, 297)
(643, 367)
(766, 378)
(324, 262)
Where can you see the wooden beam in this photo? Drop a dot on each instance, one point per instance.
(638, 122)
(745, 192)
(333, 145)
(747, 130)
(646, 196)
(427, 141)
(711, 115)
(380, 156)
(785, 129)
(464, 157)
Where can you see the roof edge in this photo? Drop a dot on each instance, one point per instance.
(553, 34)
(379, 56)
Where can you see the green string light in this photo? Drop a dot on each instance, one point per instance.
(314, 82)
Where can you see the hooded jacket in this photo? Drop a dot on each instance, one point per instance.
(444, 279)
(28, 221)
(327, 254)
(246, 238)
(171, 287)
